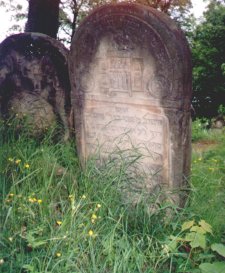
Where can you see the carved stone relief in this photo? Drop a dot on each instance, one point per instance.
(34, 81)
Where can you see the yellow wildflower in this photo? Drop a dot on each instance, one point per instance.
(83, 196)
(58, 254)
(10, 239)
(71, 197)
(26, 165)
(10, 159)
(59, 223)
(91, 233)
(39, 201)
(99, 206)
(94, 216)
(11, 194)
(18, 161)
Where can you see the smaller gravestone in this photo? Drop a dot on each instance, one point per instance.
(34, 81)
(218, 122)
(131, 90)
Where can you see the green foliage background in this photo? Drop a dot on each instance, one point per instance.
(208, 51)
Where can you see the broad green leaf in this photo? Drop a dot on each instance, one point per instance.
(217, 267)
(196, 240)
(187, 225)
(219, 248)
(198, 229)
(199, 241)
(205, 226)
(190, 236)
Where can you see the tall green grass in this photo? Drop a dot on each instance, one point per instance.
(56, 217)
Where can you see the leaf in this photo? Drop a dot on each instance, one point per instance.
(219, 248)
(187, 225)
(205, 226)
(198, 229)
(190, 236)
(196, 240)
(217, 267)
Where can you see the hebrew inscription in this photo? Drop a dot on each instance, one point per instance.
(120, 129)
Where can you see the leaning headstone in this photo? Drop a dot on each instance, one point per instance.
(131, 89)
(34, 81)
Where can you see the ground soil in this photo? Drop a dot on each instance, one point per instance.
(204, 145)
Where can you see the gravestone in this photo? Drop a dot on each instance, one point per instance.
(34, 81)
(131, 90)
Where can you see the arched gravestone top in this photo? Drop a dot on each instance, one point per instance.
(131, 90)
(34, 80)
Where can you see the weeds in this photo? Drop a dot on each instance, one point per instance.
(56, 217)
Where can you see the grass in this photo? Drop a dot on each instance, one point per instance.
(56, 217)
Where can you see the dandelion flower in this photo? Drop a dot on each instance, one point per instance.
(91, 233)
(39, 201)
(58, 254)
(26, 166)
(18, 161)
(59, 223)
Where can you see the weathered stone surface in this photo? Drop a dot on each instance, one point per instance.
(34, 81)
(131, 90)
